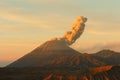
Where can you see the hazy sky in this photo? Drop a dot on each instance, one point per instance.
(25, 24)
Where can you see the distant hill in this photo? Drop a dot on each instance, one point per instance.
(108, 57)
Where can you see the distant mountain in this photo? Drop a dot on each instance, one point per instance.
(106, 53)
(108, 57)
(56, 53)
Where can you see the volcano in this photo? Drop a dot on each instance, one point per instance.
(52, 53)
(55, 53)
(56, 60)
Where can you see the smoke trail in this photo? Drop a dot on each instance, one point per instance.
(77, 29)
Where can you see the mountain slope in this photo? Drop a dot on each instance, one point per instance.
(46, 54)
(56, 53)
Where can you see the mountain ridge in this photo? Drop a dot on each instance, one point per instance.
(58, 54)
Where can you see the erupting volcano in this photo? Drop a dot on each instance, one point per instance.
(55, 51)
(55, 60)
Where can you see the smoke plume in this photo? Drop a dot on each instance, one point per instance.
(77, 29)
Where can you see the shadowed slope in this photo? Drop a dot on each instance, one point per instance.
(46, 54)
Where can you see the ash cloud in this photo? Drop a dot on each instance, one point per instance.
(77, 29)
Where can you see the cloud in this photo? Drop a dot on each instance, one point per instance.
(23, 21)
(19, 18)
(95, 47)
(18, 15)
(45, 1)
(11, 27)
(103, 33)
(102, 27)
